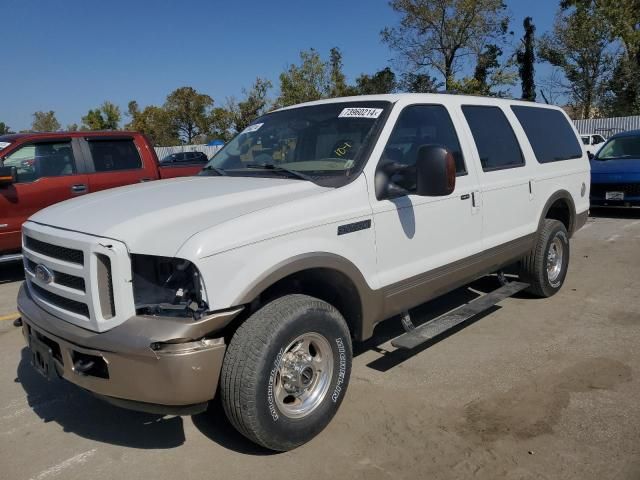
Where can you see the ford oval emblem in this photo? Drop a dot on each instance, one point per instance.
(43, 274)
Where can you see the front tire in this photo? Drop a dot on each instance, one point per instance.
(545, 268)
(286, 371)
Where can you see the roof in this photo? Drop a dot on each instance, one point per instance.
(628, 133)
(16, 137)
(424, 98)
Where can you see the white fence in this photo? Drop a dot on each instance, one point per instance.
(608, 126)
(207, 150)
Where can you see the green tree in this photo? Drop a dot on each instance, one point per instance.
(339, 87)
(154, 122)
(623, 19)
(526, 58)
(419, 83)
(189, 112)
(223, 122)
(106, 117)
(308, 81)
(381, 82)
(438, 34)
(45, 122)
(72, 127)
(4, 128)
(580, 47)
(254, 104)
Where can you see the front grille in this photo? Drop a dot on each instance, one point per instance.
(60, 278)
(600, 189)
(78, 308)
(55, 251)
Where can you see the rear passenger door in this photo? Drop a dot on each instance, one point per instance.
(505, 178)
(114, 161)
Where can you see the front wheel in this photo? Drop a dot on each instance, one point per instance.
(545, 268)
(286, 371)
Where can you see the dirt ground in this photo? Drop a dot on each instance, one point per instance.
(544, 389)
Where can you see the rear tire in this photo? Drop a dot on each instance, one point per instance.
(545, 268)
(286, 371)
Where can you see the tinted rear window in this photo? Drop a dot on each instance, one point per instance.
(497, 145)
(112, 155)
(549, 133)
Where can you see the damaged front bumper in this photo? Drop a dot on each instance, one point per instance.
(154, 364)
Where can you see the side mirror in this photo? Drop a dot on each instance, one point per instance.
(435, 171)
(8, 175)
(590, 155)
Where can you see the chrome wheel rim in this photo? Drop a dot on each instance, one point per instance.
(554, 260)
(304, 375)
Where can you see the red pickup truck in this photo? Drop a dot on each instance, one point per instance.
(39, 169)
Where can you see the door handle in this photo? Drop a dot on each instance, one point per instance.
(78, 188)
(466, 196)
(142, 180)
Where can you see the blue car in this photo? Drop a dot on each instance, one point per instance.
(615, 171)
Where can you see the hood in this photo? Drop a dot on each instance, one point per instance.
(156, 218)
(615, 171)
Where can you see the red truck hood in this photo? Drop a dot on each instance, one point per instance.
(156, 218)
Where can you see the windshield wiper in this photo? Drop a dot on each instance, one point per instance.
(277, 168)
(218, 170)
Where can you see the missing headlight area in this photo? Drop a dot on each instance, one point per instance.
(167, 286)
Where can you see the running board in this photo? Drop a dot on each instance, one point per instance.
(418, 335)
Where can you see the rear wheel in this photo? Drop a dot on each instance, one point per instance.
(286, 371)
(545, 268)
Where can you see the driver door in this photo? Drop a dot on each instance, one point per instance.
(48, 172)
(418, 238)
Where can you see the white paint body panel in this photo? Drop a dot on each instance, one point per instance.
(235, 229)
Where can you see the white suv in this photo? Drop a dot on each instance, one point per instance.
(313, 225)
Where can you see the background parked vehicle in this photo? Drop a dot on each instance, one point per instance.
(40, 169)
(615, 171)
(592, 142)
(185, 157)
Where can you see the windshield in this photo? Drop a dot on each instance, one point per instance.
(320, 141)
(620, 147)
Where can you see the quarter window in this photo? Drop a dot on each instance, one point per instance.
(549, 133)
(43, 159)
(112, 155)
(497, 145)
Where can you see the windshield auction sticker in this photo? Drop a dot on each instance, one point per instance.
(360, 113)
(253, 128)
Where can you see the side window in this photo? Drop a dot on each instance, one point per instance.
(420, 125)
(597, 139)
(497, 145)
(47, 159)
(112, 155)
(549, 133)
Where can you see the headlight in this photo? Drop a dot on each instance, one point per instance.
(167, 286)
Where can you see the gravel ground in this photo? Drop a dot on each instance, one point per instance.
(535, 389)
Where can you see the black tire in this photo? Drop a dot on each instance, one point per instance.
(533, 268)
(251, 370)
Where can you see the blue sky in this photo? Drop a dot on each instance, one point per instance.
(71, 55)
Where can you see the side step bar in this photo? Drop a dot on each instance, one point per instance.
(418, 335)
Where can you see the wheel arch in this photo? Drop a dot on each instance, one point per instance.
(326, 276)
(560, 206)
